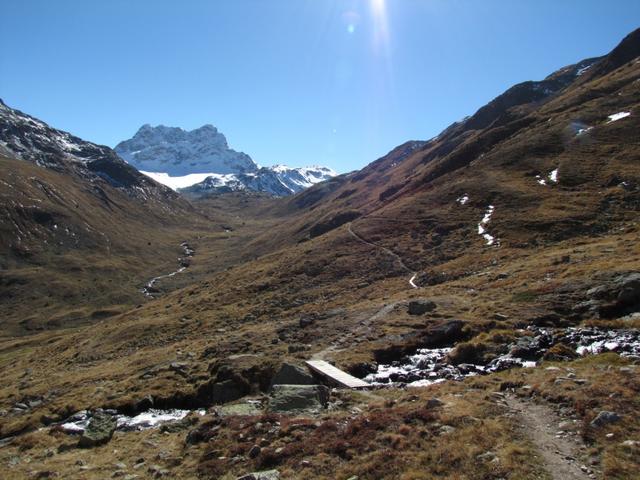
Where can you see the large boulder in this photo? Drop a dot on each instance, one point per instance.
(236, 376)
(298, 398)
(444, 334)
(292, 375)
(420, 307)
(99, 431)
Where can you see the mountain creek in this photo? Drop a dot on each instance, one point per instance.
(425, 367)
(150, 289)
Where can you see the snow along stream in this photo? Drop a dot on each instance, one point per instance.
(150, 287)
(152, 418)
(430, 365)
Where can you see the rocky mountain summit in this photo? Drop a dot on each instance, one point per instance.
(200, 163)
(178, 152)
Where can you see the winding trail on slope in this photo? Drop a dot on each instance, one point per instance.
(559, 453)
(387, 251)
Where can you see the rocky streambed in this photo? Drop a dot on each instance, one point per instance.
(152, 418)
(431, 365)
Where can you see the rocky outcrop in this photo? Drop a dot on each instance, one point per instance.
(234, 377)
(420, 307)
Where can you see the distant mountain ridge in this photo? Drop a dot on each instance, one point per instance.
(27, 138)
(199, 162)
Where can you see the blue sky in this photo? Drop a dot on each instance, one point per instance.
(300, 82)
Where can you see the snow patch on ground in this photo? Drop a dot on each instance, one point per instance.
(185, 180)
(618, 116)
(482, 226)
(463, 199)
(152, 418)
(582, 70)
(553, 176)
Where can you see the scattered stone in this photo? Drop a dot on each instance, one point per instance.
(420, 307)
(434, 403)
(306, 321)
(157, 471)
(99, 431)
(605, 418)
(254, 451)
(487, 457)
(500, 317)
(266, 475)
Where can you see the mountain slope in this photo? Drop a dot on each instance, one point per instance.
(81, 230)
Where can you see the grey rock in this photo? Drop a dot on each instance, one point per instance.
(99, 431)
(157, 471)
(254, 451)
(605, 418)
(420, 307)
(266, 475)
(292, 375)
(306, 321)
(434, 403)
(291, 398)
(486, 456)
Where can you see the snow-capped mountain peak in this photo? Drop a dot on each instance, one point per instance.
(200, 161)
(178, 152)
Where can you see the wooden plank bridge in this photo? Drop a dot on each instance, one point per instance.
(335, 375)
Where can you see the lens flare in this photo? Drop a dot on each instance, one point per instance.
(380, 26)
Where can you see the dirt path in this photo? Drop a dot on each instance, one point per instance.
(559, 452)
(387, 251)
(360, 330)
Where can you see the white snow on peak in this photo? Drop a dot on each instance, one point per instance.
(582, 70)
(182, 181)
(178, 152)
(279, 180)
(617, 116)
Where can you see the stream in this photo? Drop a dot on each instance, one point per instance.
(150, 289)
(430, 365)
(150, 419)
(426, 367)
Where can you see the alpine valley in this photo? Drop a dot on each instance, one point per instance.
(484, 284)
